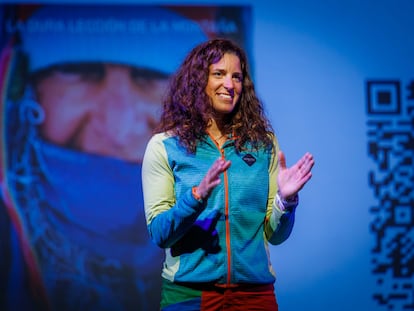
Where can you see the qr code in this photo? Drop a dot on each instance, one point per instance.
(390, 122)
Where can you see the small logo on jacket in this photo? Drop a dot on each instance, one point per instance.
(249, 159)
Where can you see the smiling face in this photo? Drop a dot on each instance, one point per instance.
(224, 85)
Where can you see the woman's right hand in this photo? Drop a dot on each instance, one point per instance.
(212, 178)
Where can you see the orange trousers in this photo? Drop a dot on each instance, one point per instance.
(254, 299)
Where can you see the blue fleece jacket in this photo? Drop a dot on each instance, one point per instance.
(223, 239)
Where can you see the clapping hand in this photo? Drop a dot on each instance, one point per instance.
(292, 179)
(212, 178)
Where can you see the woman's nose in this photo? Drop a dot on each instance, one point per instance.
(118, 85)
(228, 82)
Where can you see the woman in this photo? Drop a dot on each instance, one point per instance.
(215, 193)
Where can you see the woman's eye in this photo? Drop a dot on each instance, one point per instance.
(145, 76)
(238, 78)
(86, 71)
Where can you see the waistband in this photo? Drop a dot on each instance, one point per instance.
(243, 287)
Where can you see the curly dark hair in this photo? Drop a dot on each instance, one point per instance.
(187, 109)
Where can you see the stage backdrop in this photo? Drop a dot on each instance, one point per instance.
(337, 79)
(81, 93)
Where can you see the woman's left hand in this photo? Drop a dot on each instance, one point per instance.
(292, 179)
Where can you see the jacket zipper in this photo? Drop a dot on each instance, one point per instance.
(227, 221)
(226, 215)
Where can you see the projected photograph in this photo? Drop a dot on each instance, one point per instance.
(81, 92)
